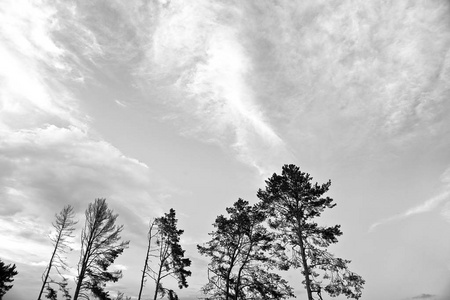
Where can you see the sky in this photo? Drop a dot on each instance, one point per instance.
(193, 104)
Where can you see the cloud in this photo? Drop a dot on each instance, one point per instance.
(121, 104)
(49, 154)
(260, 79)
(52, 166)
(426, 206)
(424, 296)
(210, 67)
(342, 78)
(36, 69)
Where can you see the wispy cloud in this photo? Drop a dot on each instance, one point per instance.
(214, 69)
(121, 104)
(348, 76)
(426, 206)
(48, 154)
(260, 78)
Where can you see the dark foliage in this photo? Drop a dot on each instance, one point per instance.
(7, 272)
(169, 254)
(100, 246)
(242, 253)
(292, 202)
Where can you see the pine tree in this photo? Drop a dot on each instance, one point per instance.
(292, 203)
(7, 272)
(100, 246)
(169, 255)
(242, 253)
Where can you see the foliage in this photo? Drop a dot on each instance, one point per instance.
(292, 203)
(121, 296)
(100, 246)
(51, 292)
(64, 227)
(169, 254)
(7, 272)
(242, 252)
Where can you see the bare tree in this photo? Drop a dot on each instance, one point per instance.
(100, 246)
(64, 227)
(152, 233)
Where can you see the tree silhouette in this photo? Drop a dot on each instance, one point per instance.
(292, 203)
(7, 272)
(100, 246)
(152, 233)
(242, 253)
(64, 227)
(169, 254)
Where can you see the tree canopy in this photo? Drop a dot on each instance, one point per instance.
(163, 244)
(292, 203)
(100, 245)
(241, 250)
(7, 273)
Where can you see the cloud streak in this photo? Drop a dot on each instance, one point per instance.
(426, 206)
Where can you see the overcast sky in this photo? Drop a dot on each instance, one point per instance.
(193, 104)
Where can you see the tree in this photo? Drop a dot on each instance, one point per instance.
(152, 233)
(169, 254)
(292, 203)
(64, 227)
(242, 253)
(7, 272)
(100, 246)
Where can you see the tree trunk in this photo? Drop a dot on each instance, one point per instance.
(83, 269)
(304, 263)
(79, 282)
(46, 275)
(50, 265)
(157, 281)
(146, 263)
(238, 282)
(227, 284)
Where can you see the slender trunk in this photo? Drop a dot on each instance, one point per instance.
(304, 261)
(87, 254)
(158, 280)
(49, 265)
(227, 284)
(238, 281)
(80, 280)
(146, 262)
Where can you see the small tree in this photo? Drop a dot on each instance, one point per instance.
(169, 254)
(242, 252)
(100, 246)
(293, 202)
(7, 272)
(64, 227)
